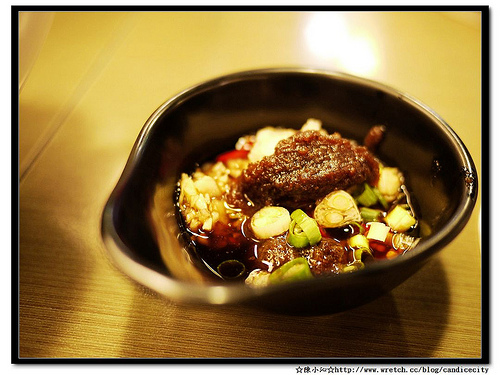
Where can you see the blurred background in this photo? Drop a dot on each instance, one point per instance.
(146, 57)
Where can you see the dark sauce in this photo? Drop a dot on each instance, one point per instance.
(341, 235)
(225, 243)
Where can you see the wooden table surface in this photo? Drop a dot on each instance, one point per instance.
(97, 79)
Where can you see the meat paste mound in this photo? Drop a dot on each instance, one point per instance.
(307, 166)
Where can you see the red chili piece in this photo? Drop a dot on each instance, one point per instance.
(234, 154)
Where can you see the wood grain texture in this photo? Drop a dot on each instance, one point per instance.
(74, 303)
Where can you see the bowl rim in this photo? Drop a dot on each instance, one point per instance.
(181, 291)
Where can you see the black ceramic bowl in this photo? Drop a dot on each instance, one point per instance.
(140, 223)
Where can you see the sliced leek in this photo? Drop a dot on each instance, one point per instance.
(296, 236)
(336, 210)
(303, 230)
(367, 198)
(294, 270)
(381, 199)
(361, 246)
(358, 253)
(358, 241)
(354, 266)
(370, 214)
(371, 196)
(270, 221)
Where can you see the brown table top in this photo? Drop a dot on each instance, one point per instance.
(97, 79)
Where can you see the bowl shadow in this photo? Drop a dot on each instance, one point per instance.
(389, 327)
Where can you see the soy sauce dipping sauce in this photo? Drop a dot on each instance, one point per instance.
(230, 255)
(231, 251)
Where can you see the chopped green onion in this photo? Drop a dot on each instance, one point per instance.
(294, 270)
(303, 226)
(380, 198)
(371, 196)
(358, 241)
(296, 236)
(370, 214)
(367, 198)
(311, 229)
(299, 216)
(354, 266)
(360, 227)
(358, 253)
(361, 245)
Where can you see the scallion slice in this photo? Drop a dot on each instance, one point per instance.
(358, 241)
(370, 214)
(270, 221)
(354, 266)
(296, 236)
(303, 226)
(380, 198)
(299, 216)
(367, 198)
(358, 253)
(294, 270)
(337, 209)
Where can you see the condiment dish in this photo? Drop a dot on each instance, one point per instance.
(140, 223)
